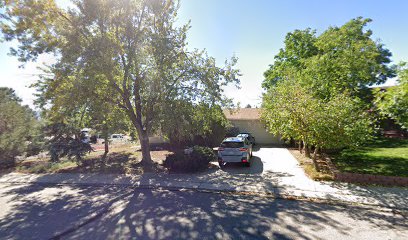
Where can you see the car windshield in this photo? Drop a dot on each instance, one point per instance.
(232, 144)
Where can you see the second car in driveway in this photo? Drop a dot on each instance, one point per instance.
(235, 150)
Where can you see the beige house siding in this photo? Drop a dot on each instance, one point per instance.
(249, 120)
(258, 131)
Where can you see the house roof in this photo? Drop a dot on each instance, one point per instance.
(243, 114)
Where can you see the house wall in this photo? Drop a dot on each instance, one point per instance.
(258, 130)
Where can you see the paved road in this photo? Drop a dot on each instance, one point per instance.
(42, 211)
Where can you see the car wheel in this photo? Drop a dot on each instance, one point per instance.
(247, 164)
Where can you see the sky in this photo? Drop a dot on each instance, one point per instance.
(254, 32)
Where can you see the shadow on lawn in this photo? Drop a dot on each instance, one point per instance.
(388, 143)
(43, 211)
(359, 162)
(114, 163)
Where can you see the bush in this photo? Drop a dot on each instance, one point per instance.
(68, 147)
(65, 142)
(197, 160)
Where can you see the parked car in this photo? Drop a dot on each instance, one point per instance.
(235, 150)
(85, 135)
(118, 138)
(247, 135)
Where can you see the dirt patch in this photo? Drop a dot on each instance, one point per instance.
(121, 159)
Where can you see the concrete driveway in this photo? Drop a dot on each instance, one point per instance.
(274, 164)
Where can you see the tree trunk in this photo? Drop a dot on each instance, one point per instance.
(306, 149)
(300, 146)
(147, 161)
(106, 147)
(315, 157)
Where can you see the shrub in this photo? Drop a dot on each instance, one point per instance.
(197, 160)
(65, 142)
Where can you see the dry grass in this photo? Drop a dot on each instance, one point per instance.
(307, 165)
(122, 159)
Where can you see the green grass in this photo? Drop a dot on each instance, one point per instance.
(380, 157)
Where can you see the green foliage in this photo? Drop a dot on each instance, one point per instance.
(194, 124)
(393, 102)
(289, 110)
(316, 86)
(18, 128)
(340, 59)
(299, 45)
(66, 142)
(198, 160)
(128, 53)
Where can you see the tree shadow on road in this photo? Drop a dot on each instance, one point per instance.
(40, 211)
(189, 215)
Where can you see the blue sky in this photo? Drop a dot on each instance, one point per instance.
(254, 31)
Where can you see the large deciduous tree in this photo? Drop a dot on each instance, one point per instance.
(289, 110)
(131, 49)
(341, 58)
(317, 86)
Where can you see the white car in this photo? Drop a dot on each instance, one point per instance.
(235, 150)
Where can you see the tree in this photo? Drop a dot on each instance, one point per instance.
(75, 104)
(18, 127)
(340, 59)
(393, 102)
(248, 106)
(291, 111)
(299, 45)
(132, 47)
(196, 124)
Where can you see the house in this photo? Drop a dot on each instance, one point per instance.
(249, 120)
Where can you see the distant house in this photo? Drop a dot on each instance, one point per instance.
(248, 120)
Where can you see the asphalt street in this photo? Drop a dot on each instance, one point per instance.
(77, 212)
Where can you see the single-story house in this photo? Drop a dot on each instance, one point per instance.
(249, 120)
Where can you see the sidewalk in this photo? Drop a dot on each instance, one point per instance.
(261, 184)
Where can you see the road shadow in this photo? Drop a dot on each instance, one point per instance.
(148, 214)
(40, 211)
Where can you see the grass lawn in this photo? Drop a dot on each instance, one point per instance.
(381, 157)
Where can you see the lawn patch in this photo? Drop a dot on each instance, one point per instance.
(388, 157)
